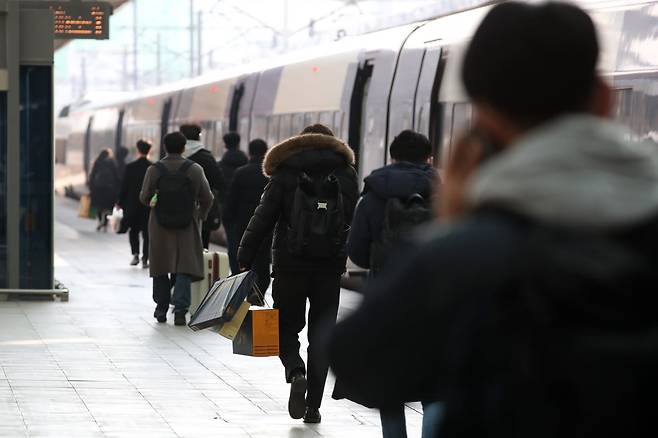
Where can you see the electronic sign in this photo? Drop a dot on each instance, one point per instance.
(77, 19)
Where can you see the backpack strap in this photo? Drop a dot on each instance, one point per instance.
(185, 166)
(162, 168)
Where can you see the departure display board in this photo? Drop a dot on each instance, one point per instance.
(78, 19)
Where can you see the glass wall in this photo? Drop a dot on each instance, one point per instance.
(3, 189)
(36, 208)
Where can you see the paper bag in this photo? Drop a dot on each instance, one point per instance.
(259, 334)
(230, 329)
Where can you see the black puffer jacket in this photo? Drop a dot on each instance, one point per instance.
(313, 154)
(230, 162)
(399, 180)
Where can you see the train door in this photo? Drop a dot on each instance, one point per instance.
(427, 109)
(119, 132)
(357, 107)
(234, 111)
(86, 148)
(164, 123)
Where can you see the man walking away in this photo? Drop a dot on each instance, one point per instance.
(308, 202)
(179, 196)
(197, 152)
(136, 214)
(103, 186)
(232, 158)
(534, 313)
(395, 199)
(242, 199)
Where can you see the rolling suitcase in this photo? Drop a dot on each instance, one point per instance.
(215, 266)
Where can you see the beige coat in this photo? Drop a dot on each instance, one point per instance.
(177, 251)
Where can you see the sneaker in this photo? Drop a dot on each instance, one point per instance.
(135, 260)
(312, 416)
(145, 263)
(159, 315)
(297, 400)
(179, 318)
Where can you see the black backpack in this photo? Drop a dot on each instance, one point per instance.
(401, 217)
(317, 222)
(176, 202)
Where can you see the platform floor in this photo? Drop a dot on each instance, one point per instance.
(100, 366)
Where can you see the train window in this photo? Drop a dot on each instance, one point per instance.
(327, 119)
(310, 119)
(461, 120)
(273, 130)
(338, 123)
(297, 123)
(285, 127)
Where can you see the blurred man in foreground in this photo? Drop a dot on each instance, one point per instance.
(533, 314)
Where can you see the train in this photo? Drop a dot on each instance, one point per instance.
(365, 88)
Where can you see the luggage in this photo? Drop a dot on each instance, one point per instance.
(175, 203)
(259, 334)
(222, 302)
(215, 266)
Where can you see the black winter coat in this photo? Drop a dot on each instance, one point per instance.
(313, 154)
(135, 213)
(104, 184)
(523, 330)
(215, 178)
(243, 197)
(230, 162)
(399, 180)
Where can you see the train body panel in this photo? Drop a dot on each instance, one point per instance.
(367, 89)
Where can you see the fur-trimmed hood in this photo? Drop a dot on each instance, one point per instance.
(310, 150)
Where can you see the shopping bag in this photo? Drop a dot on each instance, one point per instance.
(223, 300)
(259, 334)
(230, 329)
(114, 219)
(85, 207)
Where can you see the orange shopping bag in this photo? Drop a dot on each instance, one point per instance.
(259, 334)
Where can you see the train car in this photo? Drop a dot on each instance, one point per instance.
(366, 89)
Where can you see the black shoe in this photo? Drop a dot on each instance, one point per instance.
(312, 415)
(135, 260)
(297, 400)
(160, 316)
(179, 318)
(145, 263)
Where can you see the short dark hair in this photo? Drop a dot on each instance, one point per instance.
(410, 146)
(174, 143)
(317, 128)
(232, 140)
(191, 131)
(533, 62)
(257, 148)
(143, 146)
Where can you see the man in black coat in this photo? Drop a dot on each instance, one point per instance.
(135, 214)
(242, 199)
(533, 313)
(197, 152)
(318, 154)
(233, 158)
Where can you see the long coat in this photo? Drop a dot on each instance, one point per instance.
(215, 178)
(177, 251)
(314, 154)
(104, 184)
(135, 213)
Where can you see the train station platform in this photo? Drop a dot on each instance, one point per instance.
(101, 366)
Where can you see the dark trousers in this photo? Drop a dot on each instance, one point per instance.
(290, 291)
(205, 235)
(133, 235)
(162, 292)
